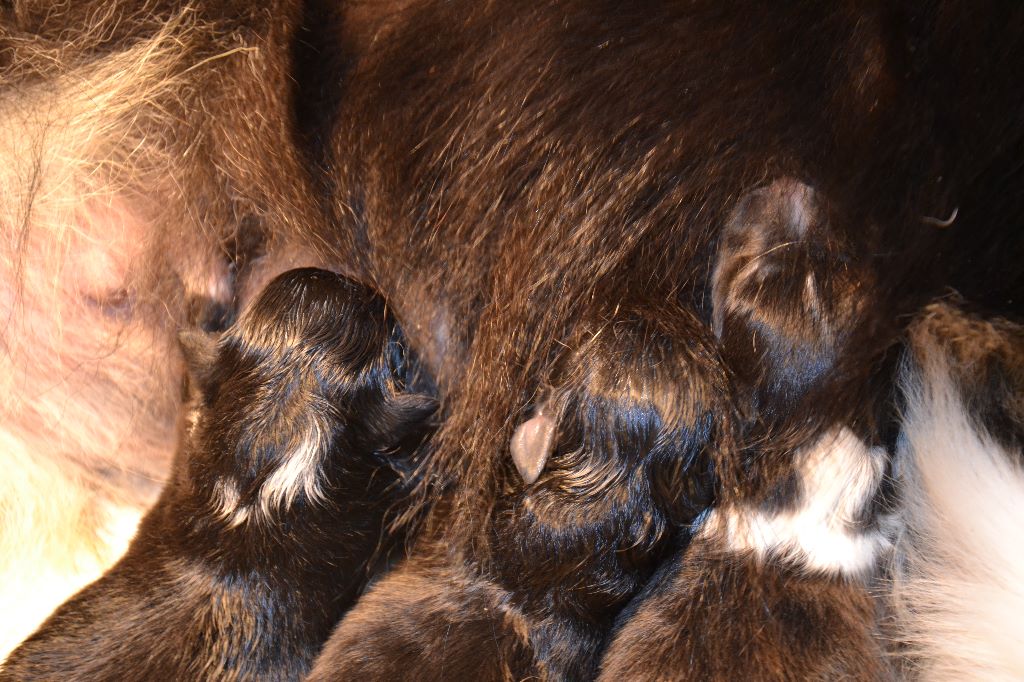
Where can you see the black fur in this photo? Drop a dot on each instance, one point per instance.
(639, 404)
(713, 615)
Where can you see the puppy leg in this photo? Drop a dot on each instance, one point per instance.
(295, 442)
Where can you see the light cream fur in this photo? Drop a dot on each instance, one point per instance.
(89, 369)
(838, 476)
(959, 580)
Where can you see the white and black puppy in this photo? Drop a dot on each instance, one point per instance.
(298, 435)
(775, 583)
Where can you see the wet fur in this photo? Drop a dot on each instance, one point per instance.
(538, 204)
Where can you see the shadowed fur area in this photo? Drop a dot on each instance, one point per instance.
(295, 446)
(657, 408)
(638, 404)
(717, 615)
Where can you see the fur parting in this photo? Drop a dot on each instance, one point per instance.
(959, 579)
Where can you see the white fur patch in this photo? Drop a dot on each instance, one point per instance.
(839, 475)
(297, 475)
(227, 508)
(959, 578)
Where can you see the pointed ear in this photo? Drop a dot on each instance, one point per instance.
(200, 352)
(532, 443)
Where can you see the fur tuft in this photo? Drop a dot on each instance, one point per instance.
(959, 579)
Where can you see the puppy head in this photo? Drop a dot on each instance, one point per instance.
(802, 326)
(310, 381)
(618, 453)
(637, 386)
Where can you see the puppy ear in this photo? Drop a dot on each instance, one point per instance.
(532, 444)
(200, 352)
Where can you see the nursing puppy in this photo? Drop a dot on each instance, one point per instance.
(488, 166)
(614, 460)
(774, 584)
(299, 433)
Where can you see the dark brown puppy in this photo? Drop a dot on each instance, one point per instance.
(774, 586)
(299, 433)
(616, 461)
(715, 615)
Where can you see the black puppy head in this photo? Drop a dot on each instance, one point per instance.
(311, 378)
(636, 385)
(617, 455)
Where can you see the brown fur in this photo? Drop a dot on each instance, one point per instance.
(713, 615)
(492, 169)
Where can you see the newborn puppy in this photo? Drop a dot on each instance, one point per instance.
(612, 462)
(774, 584)
(298, 434)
